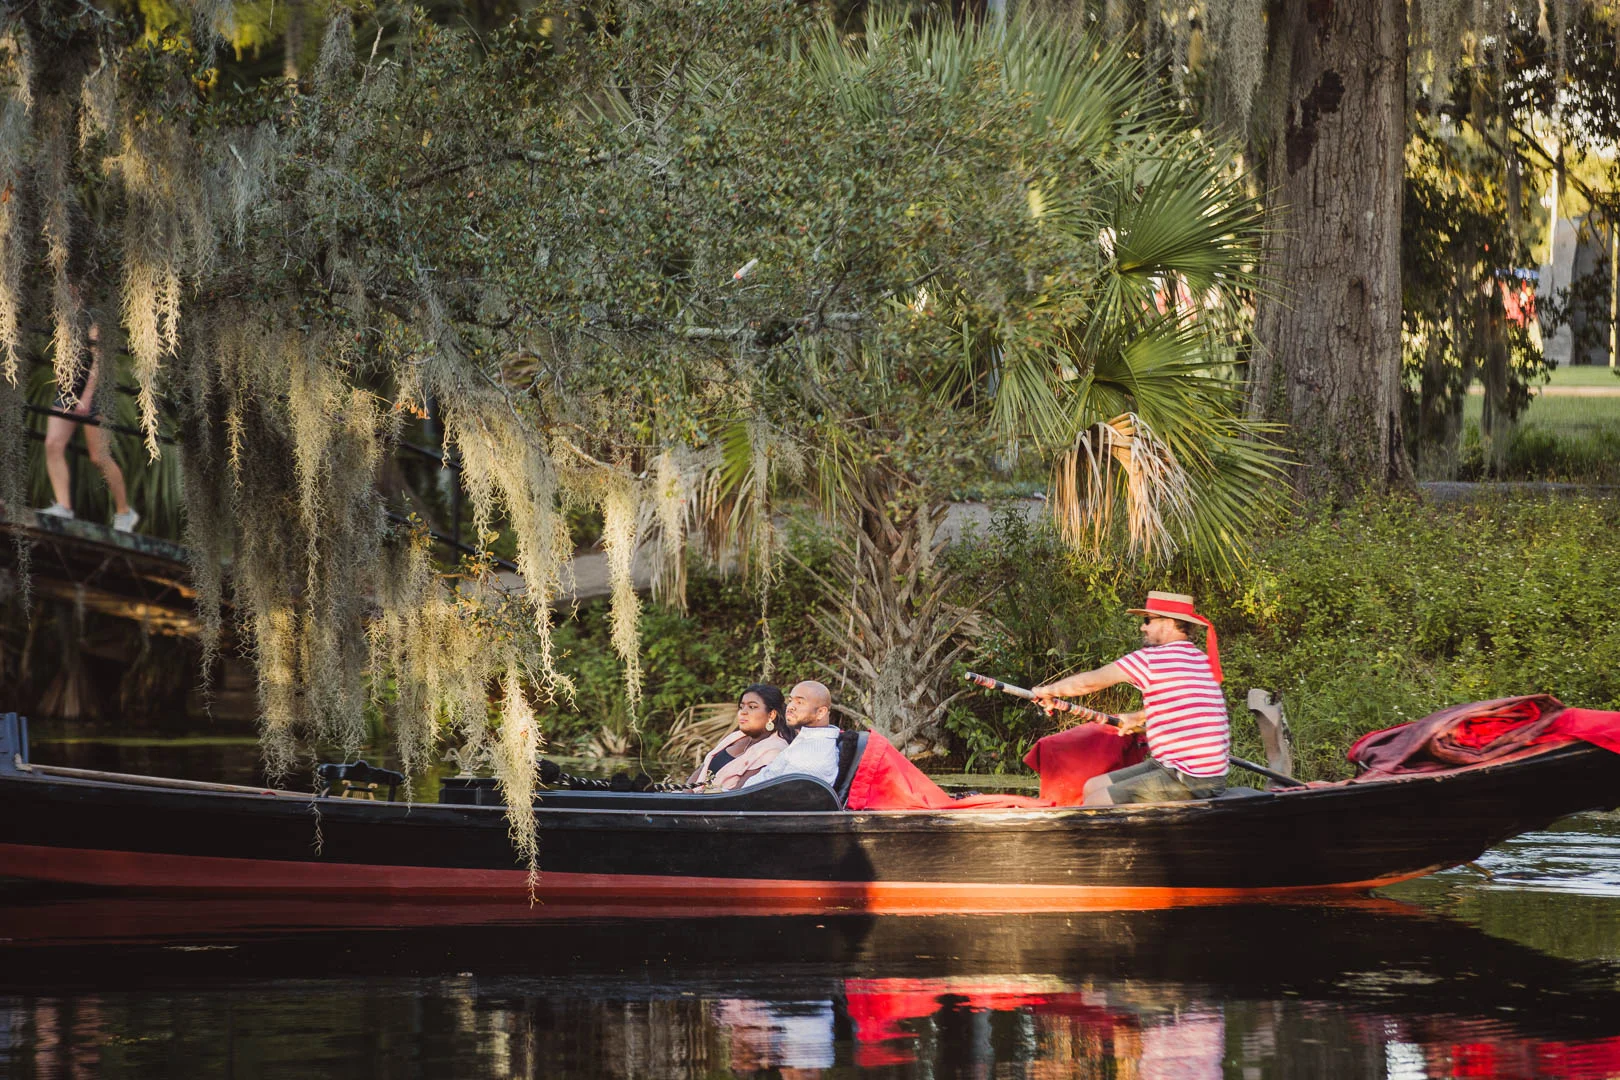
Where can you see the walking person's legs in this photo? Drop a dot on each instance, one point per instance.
(58, 433)
(100, 446)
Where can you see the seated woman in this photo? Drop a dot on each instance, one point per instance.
(762, 733)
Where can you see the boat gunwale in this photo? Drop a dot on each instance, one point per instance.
(709, 818)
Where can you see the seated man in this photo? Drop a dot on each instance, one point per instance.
(814, 749)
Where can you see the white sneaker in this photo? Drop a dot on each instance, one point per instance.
(55, 510)
(126, 521)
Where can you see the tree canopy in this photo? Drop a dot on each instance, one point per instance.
(664, 264)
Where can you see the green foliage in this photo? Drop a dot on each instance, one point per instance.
(1458, 247)
(1567, 433)
(1372, 616)
(1536, 452)
(1390, 610)
(958, 240)
(705, 655)
(1049, 611)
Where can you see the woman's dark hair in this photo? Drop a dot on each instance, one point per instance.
(774, 703)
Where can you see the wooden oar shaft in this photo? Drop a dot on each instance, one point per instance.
(1267, 773)
(1058, 704)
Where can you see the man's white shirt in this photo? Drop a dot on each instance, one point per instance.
(813, 752)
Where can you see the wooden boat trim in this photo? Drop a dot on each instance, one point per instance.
(781, 845)
(136, 780)
(932, 817)
(225, 876)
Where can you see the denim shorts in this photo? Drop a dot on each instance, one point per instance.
(1150, 781)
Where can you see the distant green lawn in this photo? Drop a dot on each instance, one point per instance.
(1576, 416)
(1574, 437)
(1585, 375)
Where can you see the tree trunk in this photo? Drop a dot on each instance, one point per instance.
(886, 609)
(1436, 434)
(1327, 357)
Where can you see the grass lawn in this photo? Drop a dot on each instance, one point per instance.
(1571, 436)
(1566, 415)
(1585, 375)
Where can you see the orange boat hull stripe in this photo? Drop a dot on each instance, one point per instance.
(213, 874)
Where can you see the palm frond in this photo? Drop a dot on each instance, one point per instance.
(1121, 467)
(695, 730)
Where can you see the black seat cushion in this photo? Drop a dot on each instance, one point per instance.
(851, 745)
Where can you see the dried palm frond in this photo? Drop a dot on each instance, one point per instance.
(696, 730)
(607, 743)
(1121, 466)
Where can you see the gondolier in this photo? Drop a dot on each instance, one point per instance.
(1183, 710)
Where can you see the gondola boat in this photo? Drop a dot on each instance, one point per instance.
(788, 844)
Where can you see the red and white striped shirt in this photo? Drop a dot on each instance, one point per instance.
(1187, 727)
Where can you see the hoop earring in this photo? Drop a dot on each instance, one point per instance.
(770, 725)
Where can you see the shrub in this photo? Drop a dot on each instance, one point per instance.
(707, 654)
(1371, 616)
(1048, 612)
(1390, 610)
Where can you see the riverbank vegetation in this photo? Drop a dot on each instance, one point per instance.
(1568, 432)
(1361, 618)
(670, 265)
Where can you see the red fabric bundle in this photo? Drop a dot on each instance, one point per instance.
(1482, 733)
(1065, 761)
(885, 780)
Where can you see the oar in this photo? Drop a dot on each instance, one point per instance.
(1059, 705)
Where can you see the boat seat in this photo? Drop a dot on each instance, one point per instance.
(851, 745)
(357, 780)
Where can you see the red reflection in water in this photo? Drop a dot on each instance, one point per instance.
(877, 1008)
(1511, 1059)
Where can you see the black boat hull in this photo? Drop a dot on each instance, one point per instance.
(128, 834)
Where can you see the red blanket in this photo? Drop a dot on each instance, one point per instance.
(885, 780)
(1482, 733)
(1065, 761)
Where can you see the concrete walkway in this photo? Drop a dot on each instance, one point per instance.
(590, 571)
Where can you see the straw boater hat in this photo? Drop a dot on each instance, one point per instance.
(1179, 606)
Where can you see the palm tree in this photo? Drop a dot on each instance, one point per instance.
(1116, 362)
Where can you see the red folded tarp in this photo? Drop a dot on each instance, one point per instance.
(1481, 733)
(1065, 761)
(885, 780)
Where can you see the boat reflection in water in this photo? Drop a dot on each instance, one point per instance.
(118, 987)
